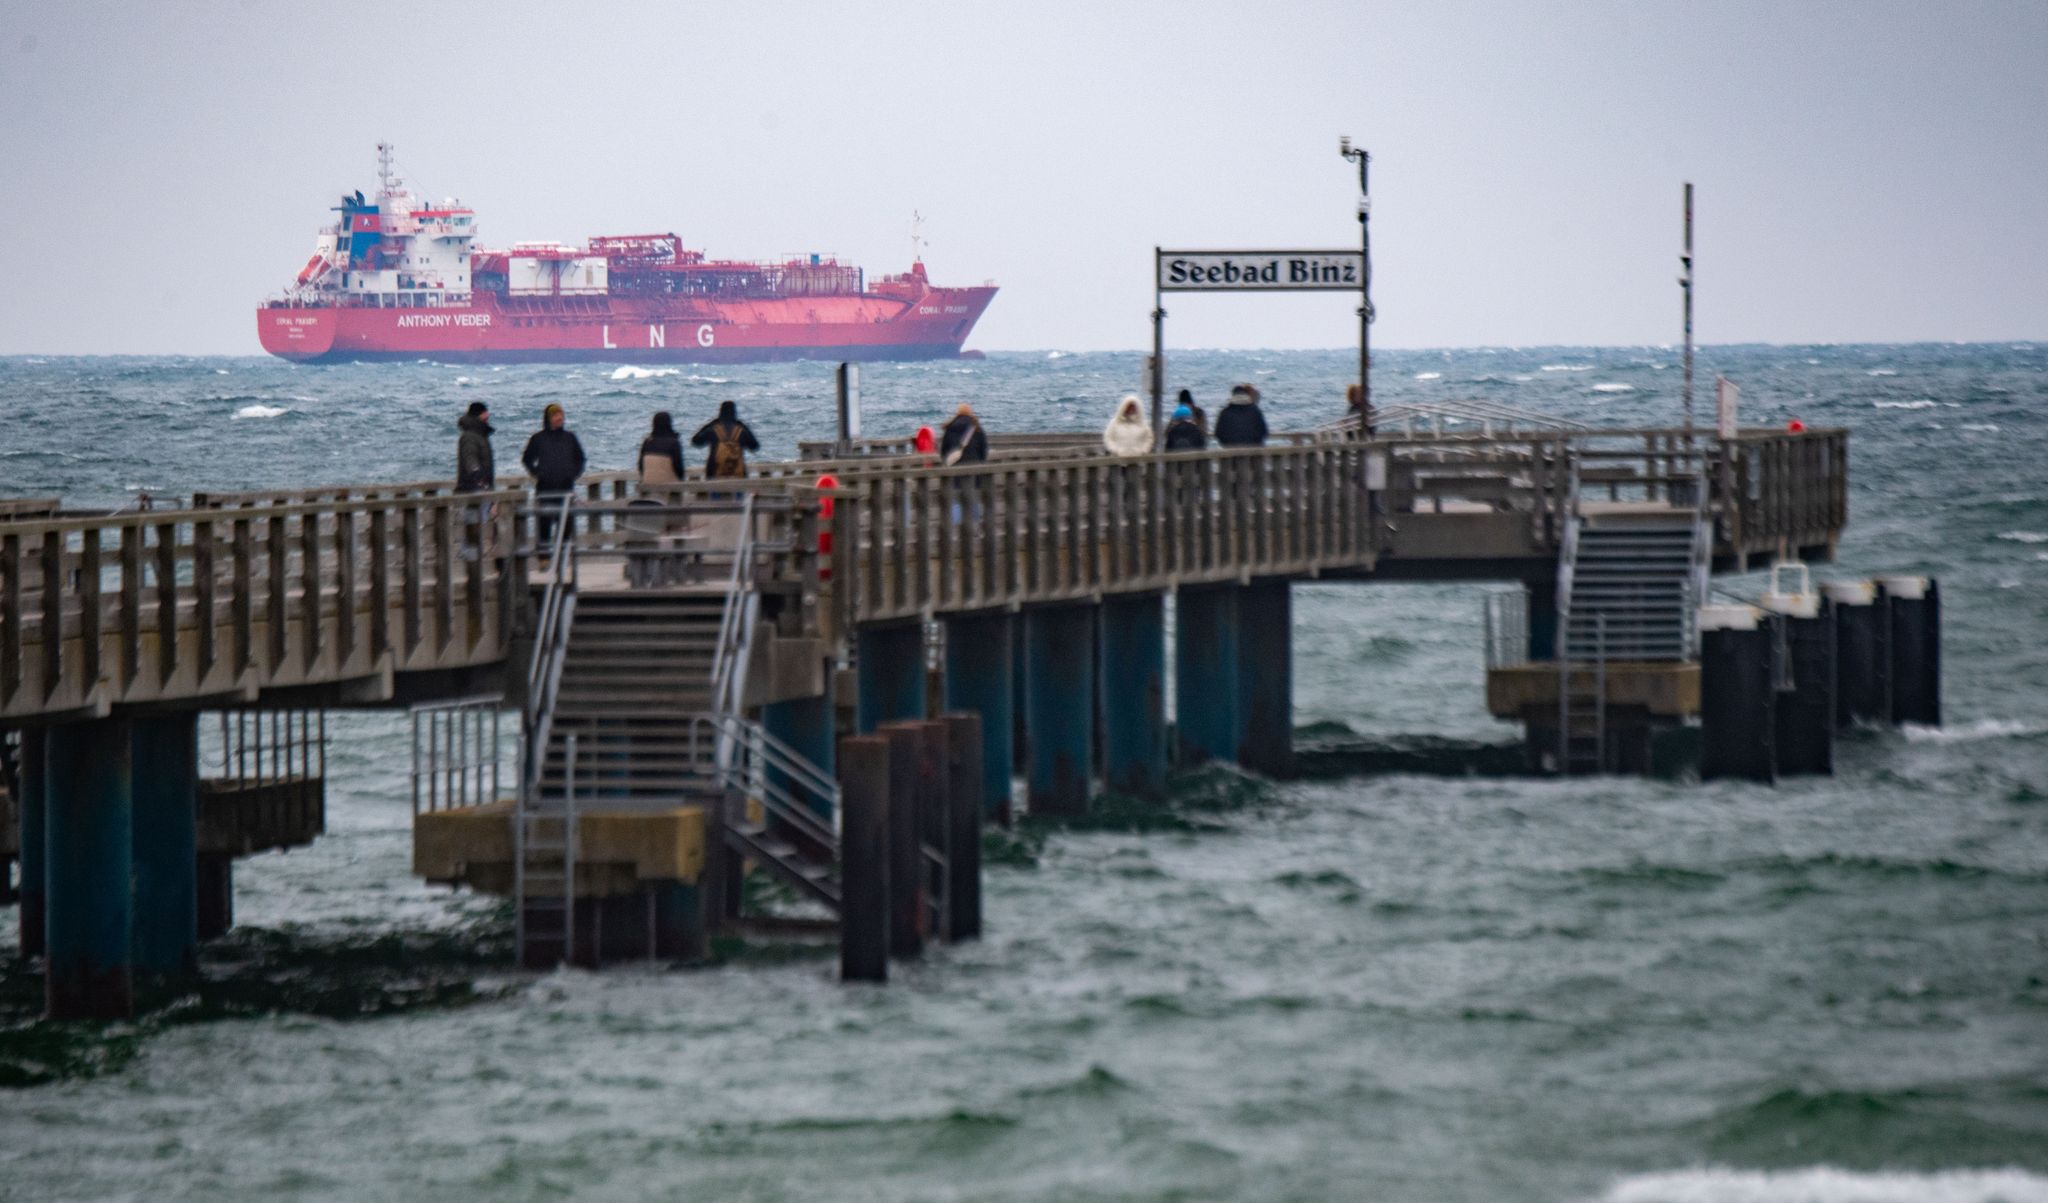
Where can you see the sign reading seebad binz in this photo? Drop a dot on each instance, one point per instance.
(1261, 271)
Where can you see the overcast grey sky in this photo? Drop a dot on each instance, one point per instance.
(1866, 172)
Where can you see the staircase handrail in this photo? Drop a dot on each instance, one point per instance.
(728, 666)
(550, 650)
(752, 773)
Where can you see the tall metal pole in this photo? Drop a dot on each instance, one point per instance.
(1685, 286)
(1158, 357)
(1365, 313)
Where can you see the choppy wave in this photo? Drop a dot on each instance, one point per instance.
(629, 372)
(2022, 536)
(1429, 375)
(1614, 388)
(261, 411)
(1825, 1184)
(1982, 729)
(1923, 403)
(1882, 372)
(1567, 367)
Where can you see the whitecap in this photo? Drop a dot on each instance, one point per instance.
(1969, 733)
(1882, 372)
(463, 380)
(629, 372)
(220, 371)
(1985, 427)
(1567, 367)
(1826, 1184)
(260, 411)
(1921, 404)
(1055, 354)
(1523, 379)
(724, 380)
(1813, 361)
(1614, 388)
(1429, 375)
(2023, 536)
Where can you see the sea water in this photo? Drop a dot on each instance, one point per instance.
(1351, 986)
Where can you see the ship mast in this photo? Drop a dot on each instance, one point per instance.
(387, 180)
(917, 241)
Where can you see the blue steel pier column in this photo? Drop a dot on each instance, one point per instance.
(1059, 684)
(806, 725)
(1134, 694)
(90, 840)
(1205, 674)
(166, 825)
(30, 805)
(1265, 684)
(888, 667)
(980, 672)
(1542, 618)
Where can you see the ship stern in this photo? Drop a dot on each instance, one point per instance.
(294, 333)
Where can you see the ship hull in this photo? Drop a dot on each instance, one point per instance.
(614, 330)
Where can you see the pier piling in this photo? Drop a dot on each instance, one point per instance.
(966, 759)
(1805, 724)
(1265, 683)
(1134, 694)
(1205, 665)
(166, 827)
(89, 962)
(979, 672)
(889, 670)
(1059, 673)
(1914, 603)
(864, 773)
(32, 808)
(905, 851)
(1862, 653)
(1738, 693)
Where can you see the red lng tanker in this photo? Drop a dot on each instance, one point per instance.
(397, 278)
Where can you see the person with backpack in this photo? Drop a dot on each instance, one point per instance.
(963, 442)
(475, 472)
(554, 457)
(729, 441)
(1183, 433)
(1241, 424)
(1201, 416)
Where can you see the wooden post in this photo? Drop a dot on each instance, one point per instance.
(965, 808)
(864, 772)
(906, 837)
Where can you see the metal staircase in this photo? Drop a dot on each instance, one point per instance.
(1628, 590)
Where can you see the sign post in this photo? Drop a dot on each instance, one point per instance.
(1725, 423)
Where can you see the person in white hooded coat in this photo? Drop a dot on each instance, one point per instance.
(1128, 433)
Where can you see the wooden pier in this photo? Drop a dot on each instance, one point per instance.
(687, 668)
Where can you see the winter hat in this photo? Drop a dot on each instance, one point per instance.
(1245, 391)
(663, 423)
(1186, 397)
(549, 412)
(478, 409)
(1182, 412)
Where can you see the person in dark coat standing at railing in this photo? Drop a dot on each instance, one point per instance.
(555, 458)
(476, 471)
(964, 442)
(729, 441)
(661, 453)
(1241, 424)
(1183, 433)
(1201, 416)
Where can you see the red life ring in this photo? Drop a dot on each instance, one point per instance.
(825, 507)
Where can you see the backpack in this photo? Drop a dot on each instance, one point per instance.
(728, 458)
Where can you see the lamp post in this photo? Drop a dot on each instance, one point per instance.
(1365, 315)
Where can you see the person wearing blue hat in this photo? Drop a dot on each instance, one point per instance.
(1184, 433)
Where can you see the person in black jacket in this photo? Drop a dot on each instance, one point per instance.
(964, 441)
(555, 458)
(729, 441)
(1184, 433)
(1201, 416)
(1241, 424)
(661, 453)
(476, 471)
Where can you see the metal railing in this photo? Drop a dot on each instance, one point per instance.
(1507, 627)
(457, 751)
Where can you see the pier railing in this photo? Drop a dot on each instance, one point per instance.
(167, 605)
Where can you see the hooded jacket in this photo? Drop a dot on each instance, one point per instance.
(1241, 424)
(1185, 434)
(661, 453)
(475, 468)
(555, 458)
(1128, 433)
(726, 426)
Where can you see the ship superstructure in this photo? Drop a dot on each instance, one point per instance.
(395, 277)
